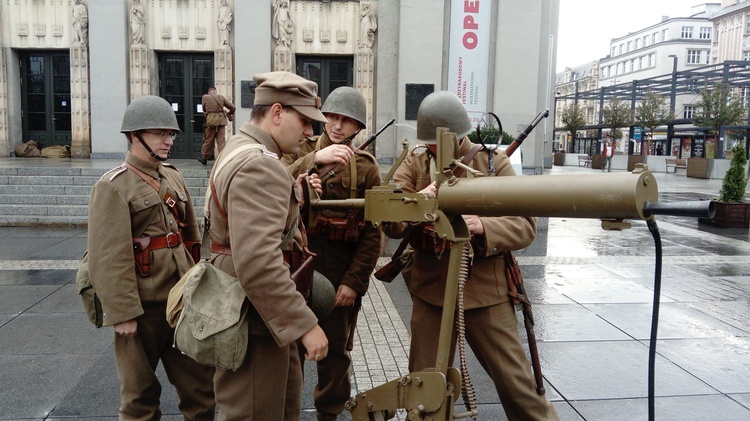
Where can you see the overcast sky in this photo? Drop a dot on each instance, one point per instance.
(587, 26)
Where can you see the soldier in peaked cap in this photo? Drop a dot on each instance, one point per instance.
(253, 211)
(141, 233)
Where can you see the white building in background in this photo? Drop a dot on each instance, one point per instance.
(731, 39)
(69, 68)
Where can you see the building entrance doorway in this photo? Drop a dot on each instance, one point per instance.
(183, 79)
(45, 97)
(328, 72)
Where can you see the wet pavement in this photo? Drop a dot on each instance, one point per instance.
(592, 292)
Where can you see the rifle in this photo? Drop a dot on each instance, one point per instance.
(516, 289)
(333, 167)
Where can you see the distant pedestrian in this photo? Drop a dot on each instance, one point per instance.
(608, 152)
(215, 123)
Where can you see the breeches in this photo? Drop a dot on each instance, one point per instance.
(267, 386)
(137, 358)
(211, 135)
(492, 333)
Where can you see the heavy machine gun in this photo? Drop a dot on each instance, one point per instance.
(613, 198)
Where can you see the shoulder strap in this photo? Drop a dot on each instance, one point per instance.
(217, 169)
(467, 159)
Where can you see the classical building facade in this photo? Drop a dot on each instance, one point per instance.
(70, 67)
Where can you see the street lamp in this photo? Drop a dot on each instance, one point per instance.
(672, 100)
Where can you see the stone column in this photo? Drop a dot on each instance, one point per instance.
(79, 98)
(4, 130)
(364, 81)
(223, 73)
(140, 72)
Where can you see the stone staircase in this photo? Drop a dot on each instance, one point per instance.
(40, 191)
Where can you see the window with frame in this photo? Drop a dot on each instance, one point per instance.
(654, 37)
(651, 58)
(688, 112)
(621, 47)
(614, 51)
(745, 96)
(747, 24)
(687, 32)
(664, 34)
(645, 41)
(637, 43)
(693, 56)
(746, 55)
(705, 33)
(630, 45)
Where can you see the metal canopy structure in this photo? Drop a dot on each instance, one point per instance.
(735, 74)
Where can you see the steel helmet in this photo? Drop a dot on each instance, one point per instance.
(347, 102)
(442, 109)
(149, 112)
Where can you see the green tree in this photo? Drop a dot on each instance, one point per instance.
(734, 183)
(651, 113)
(490, 136)
(617, 114)
(719, 107)
(573, 118)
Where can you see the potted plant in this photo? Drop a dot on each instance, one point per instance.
(731, 209)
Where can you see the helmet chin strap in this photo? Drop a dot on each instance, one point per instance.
(145, 145)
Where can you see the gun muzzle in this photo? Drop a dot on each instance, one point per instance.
(697, 209)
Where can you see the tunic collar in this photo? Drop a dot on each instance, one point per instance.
(262, 137)
(143, 165)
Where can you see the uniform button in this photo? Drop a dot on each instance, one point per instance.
(331, 185)
(146, 202)
(171, 222)
(494, 250)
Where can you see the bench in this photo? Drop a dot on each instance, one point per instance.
(675, 163)
(584, 160)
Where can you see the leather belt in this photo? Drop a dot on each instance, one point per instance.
(171, 240)
(220, 249)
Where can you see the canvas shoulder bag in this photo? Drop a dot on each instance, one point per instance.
(208, 307)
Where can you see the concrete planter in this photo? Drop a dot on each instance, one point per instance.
(559, 158)
(635, 159)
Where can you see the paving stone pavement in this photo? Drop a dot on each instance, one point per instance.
(592, 292)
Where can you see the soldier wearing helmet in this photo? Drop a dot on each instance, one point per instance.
(490, 322)
(142, 237)
(347, 248)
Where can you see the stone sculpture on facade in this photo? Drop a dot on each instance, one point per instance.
(223, 21)
(80, 23)
(368, 25)
(137, 22)
(282, 26)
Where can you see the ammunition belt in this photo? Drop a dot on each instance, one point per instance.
(346, 230)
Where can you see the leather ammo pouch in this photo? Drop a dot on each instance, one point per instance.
(347, 230)
(301, 266)
(426, 238)
(142, 254)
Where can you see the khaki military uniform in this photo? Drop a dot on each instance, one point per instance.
(257, 192)
(342, 263)
(491, 325)
(120, 203)
(215, 104)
